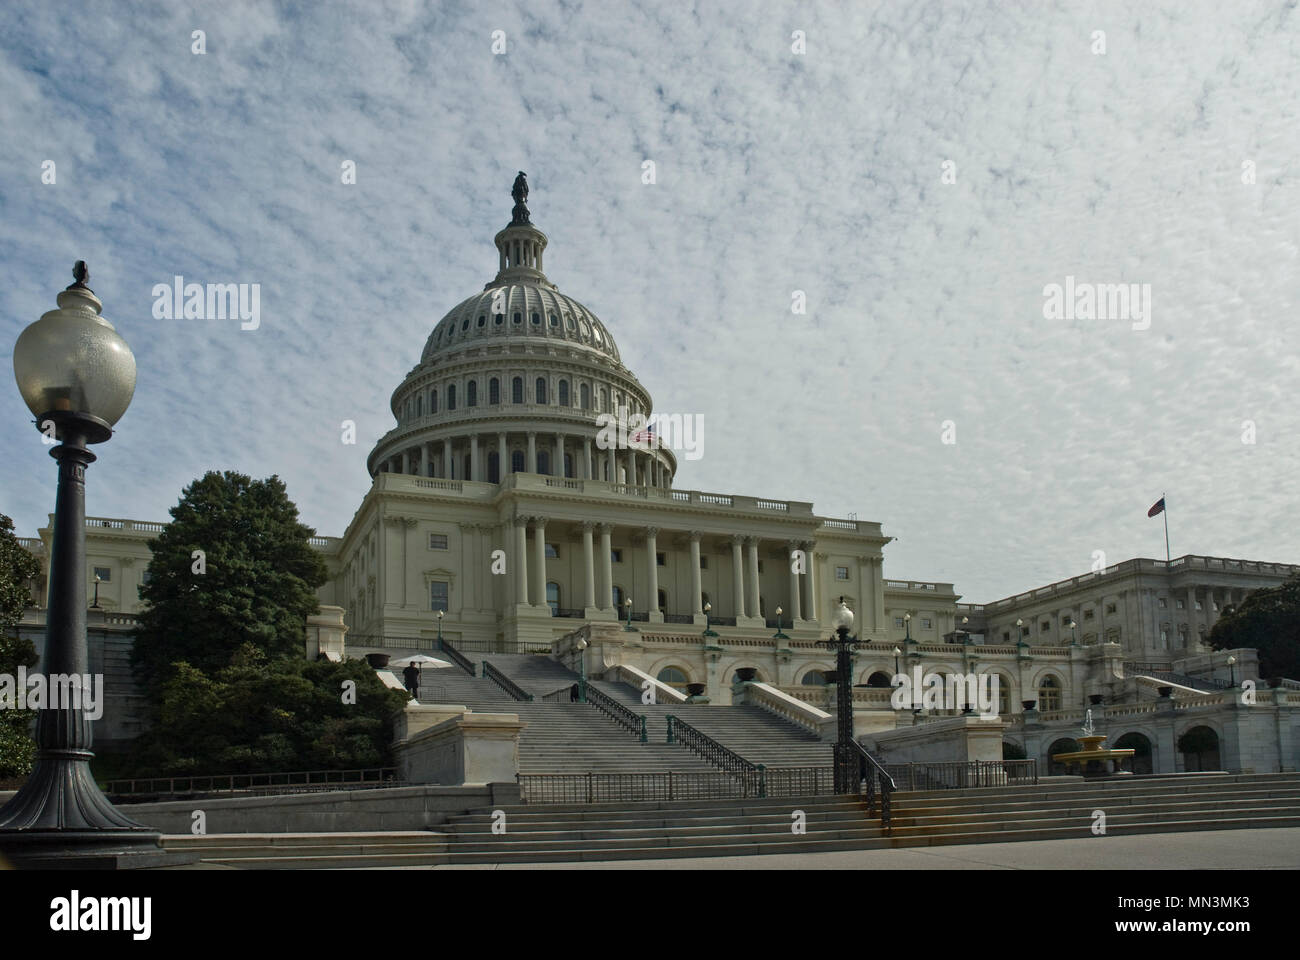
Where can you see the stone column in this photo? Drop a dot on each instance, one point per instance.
(611, 465)
(697, 605)
(586, 459)
(424, 460)
(809, 581)
(652, 576)
(532, 452)
(539, 561)
(878, 582)
(559, 456)
(752, 544)
(607, 565)
(446, 459)
(406, 461)
(588, 568)
(475, 469)
(503, 458)
(737, 576)
(521, 560)
(796, 606)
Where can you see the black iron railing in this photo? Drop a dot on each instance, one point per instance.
(750, 774)
(678, 618)
(458, 658)
(633, 723)
(875, 779)
(963, 774)
(299, 781)
(386, 642)
(505, 683)
(671, 785)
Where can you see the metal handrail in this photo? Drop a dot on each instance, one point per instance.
(464, 662)
(724, 758)
(634, 723)
(291, 781)
(876, 776)
(505, 683)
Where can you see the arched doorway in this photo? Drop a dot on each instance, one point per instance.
(813, 678)
(878, 679)
(1141, 747)
(675, 677)
(1064, 745)
(1200, 749)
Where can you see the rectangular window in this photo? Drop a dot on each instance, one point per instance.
(438, 595)
(1111, 608)
(704, 562)
(437, 541)
(1045, 626)
(616, 556)
(1165, 603)
(841, 573)
(660, 560)
(760, 566)
(1006, 636)
(1198, 604)
(104, 573)
(1181, 605)
(552, 552)
(898, 622)
(925, 623)
(1087, 614)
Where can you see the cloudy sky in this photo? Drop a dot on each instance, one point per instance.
(922, 172)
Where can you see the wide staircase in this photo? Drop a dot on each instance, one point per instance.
(556, 833)
(560, 737)
(751, 732)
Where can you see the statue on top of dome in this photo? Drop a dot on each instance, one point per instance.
(520, 192)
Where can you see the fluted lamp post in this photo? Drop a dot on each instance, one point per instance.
(779, 635)
(846, 763)
(440, 616)
(708, 625)
(77, 376)
(628, 628)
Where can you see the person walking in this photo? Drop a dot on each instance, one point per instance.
(411, 676)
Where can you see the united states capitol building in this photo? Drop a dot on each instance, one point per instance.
(498, 501)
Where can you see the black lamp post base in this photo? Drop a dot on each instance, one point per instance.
(88, 850)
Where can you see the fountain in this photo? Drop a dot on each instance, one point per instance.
(1092, 759)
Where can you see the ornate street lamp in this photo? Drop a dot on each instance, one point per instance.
(581, 645)
(779, 635)
(95, 604)
(628, 628)
(708, 629)
(846, 763)
(441, 613)
(897, 654)
(77, 376)
(1074, 630)
(1232, 668)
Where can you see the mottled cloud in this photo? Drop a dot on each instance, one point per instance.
(777, 172)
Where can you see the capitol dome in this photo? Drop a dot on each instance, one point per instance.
(513, 380)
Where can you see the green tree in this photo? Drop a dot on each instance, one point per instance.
(1269, 621)
(17, 568)
(253, 583)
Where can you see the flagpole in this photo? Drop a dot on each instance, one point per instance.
(1165, 511)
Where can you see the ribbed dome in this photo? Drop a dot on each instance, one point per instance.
(524, 310)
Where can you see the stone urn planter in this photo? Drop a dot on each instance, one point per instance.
(695, 689)
(1095, 699)
(747, 673)
(1028, 704)
(1165, 692)
(377, 660)
(1274, 682)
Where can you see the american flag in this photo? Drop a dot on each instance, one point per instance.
(644, 436)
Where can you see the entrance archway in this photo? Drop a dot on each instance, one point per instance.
(1064, 745)
(1141, 747)
(1200, 749)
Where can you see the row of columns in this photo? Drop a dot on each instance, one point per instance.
(598, 590)
(641, 468)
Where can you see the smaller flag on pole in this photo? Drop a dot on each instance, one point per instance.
(1157, 508)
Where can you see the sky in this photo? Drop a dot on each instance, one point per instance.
(922, 171)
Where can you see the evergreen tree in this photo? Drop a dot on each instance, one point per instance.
(17, 567)
(1269, 621)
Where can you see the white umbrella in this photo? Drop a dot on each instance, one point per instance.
(419, 660)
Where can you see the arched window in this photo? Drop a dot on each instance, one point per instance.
(494, 467)
(674, 677)
(584, 396)
(877, 679)
(494, 391)
(433, 400)
(539, 390)
(517, 462)
(543, 462)
(517, 390)
(471, 394)
(553, 598)
(1049, 695)
(469, 468)
(568, 464)
(564, 393)
(604, 399)
(451, 397)
(663, 602)
(419, 405)
(815, 678)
